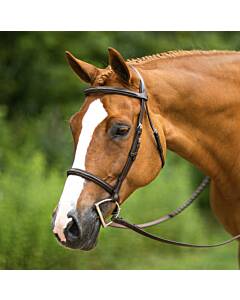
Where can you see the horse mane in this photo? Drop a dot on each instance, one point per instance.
(106, 73)
(177, 54)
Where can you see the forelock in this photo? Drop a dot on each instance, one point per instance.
(104, 76)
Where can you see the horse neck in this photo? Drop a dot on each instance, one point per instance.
(195, 100)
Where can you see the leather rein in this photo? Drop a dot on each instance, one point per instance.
(117, 221)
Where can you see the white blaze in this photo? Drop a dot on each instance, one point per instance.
(74, 184)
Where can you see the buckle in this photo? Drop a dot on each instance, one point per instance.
(139, 128)
(114, 214)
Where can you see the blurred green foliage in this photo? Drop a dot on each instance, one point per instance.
(38, 95)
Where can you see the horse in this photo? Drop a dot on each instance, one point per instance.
(194, 104)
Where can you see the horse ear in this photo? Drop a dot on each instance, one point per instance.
(119, 66)
(85, 71)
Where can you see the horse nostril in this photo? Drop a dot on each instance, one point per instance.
(72, 231)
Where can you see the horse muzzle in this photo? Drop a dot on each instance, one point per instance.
(81, 231)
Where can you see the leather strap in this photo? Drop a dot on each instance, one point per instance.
(176, 211)
(156, 136)
(154, 130)
(167, 241)
(86, 175)
(116, 90)
(133, 151)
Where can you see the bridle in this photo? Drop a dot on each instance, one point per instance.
(114, 190)
(116, 221)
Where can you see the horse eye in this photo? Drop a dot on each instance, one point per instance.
(119, 130)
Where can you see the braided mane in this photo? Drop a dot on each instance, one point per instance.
(176, 54)
(164, 55)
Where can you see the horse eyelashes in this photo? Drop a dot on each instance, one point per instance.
(119, 130)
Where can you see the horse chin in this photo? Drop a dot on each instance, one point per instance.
(85, 246)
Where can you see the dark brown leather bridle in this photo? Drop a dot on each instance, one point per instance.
(116, 221)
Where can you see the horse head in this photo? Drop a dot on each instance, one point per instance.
(103, 132)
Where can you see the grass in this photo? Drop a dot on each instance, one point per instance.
(30, 191)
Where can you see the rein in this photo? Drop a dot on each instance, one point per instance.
(173, 213)
(117, 221)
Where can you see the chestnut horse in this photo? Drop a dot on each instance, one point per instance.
(194, 102)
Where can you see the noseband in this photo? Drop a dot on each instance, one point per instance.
(113, 191)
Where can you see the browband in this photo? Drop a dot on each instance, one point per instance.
(115, 90)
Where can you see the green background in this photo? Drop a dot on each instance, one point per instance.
(38, 94)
